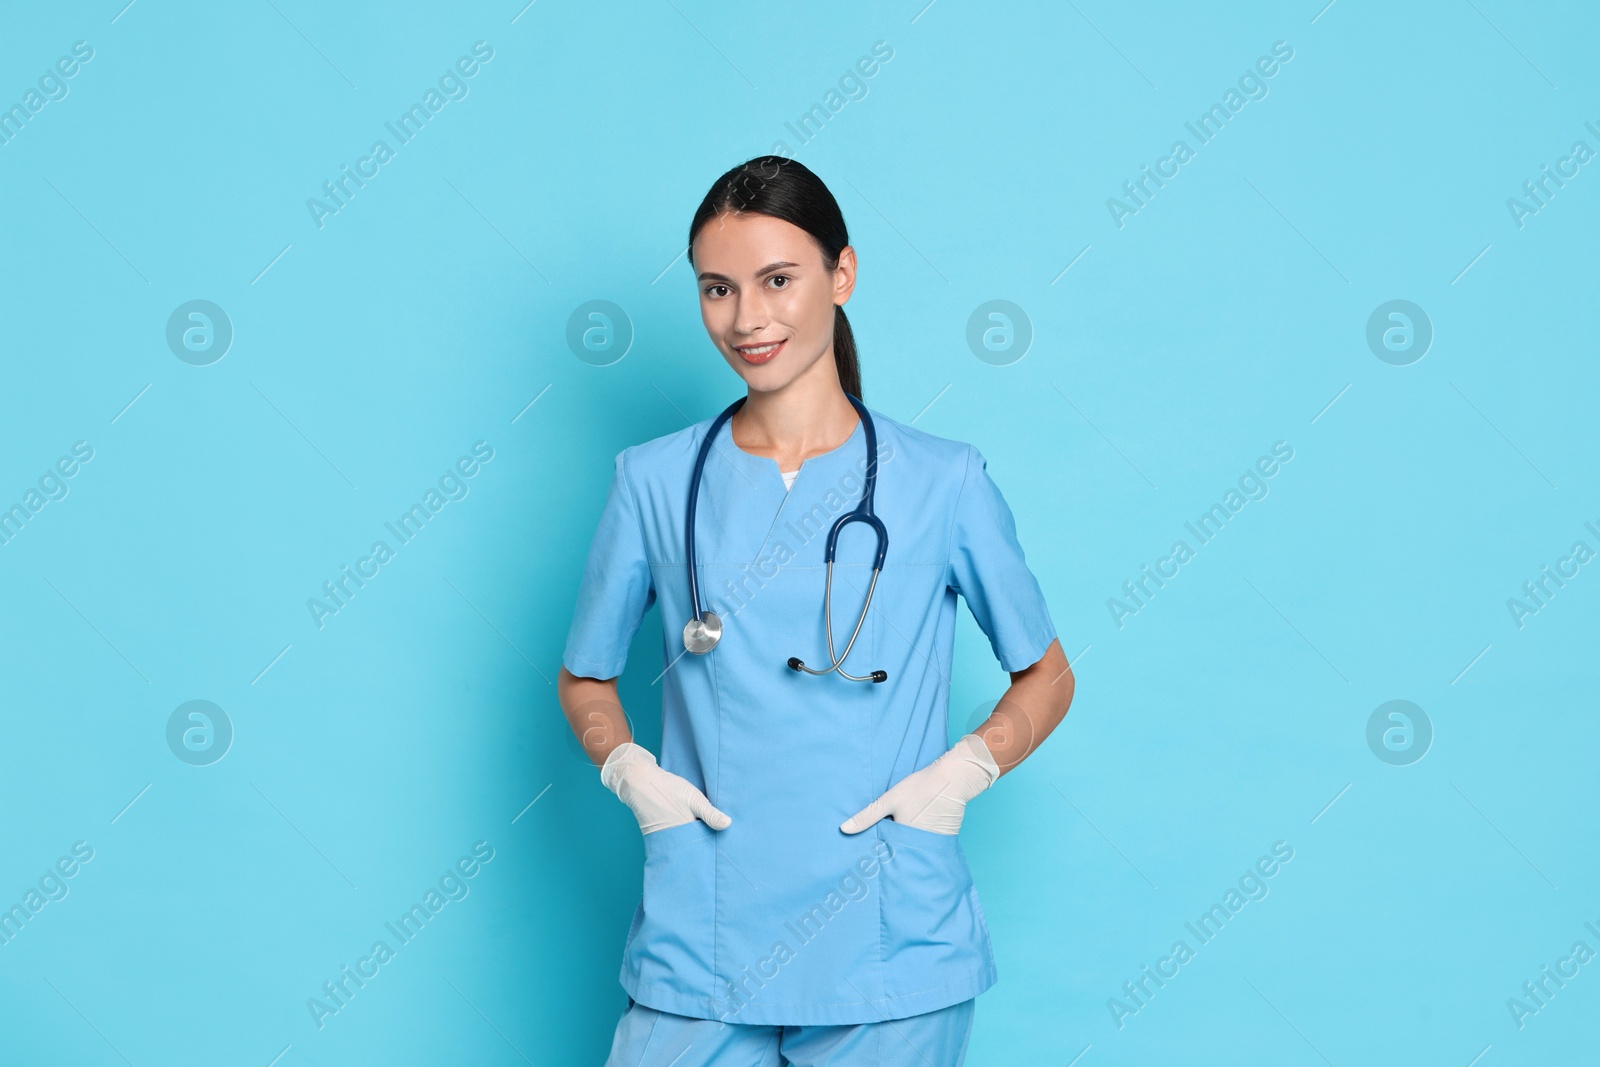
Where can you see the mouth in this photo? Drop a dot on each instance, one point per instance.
(757, 354)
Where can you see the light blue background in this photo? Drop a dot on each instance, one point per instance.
(368, 355)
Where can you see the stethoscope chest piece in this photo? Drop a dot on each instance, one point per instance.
(701, 635)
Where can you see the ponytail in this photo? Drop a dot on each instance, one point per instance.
(844, 354)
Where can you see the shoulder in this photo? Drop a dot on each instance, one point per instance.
(667, 458)
(942, 457)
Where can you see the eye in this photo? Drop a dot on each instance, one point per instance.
(709, 290)
(780, 277)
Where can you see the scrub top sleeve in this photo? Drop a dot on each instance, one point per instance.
(987, 568)
(616, 590)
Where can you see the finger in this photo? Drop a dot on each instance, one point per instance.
(867, 815)
(703, 810)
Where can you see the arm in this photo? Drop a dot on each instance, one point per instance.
(935, 797)
(1030, 710)
(988, 569)
(617, 589)
(658, 798)
(594, 712)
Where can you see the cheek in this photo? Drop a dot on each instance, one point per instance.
(713, 315)
(809, 313)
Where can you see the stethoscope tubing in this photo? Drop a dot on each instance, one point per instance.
(694, 496)
(704, 629)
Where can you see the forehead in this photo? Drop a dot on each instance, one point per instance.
(745, 243)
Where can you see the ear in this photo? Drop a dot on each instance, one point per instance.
(844, 276)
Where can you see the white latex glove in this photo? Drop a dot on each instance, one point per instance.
(659, 798)
(935, 797)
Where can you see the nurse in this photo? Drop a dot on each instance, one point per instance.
(806, 900)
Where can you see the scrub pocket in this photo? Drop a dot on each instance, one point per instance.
(899, 833)
(671, 941)
(933, 930)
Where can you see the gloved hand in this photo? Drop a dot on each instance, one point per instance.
(935, 797)
(659, 798)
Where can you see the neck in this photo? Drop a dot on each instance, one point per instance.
(805, 418)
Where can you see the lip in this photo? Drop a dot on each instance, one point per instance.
(765, 357)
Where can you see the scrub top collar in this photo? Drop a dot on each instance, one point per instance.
(766, 468)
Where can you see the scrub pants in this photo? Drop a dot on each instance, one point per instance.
(646, 1037)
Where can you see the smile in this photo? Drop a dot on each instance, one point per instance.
(756, 354)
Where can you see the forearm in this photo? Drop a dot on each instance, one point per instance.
(1031, 708)
(935, 797)
(594, 712)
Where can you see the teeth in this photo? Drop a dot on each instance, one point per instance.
(760, 350)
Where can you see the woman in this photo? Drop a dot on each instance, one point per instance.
(806, 899)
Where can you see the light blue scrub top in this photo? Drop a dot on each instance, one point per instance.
(782, 918)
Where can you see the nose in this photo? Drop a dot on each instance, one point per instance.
(752, 312)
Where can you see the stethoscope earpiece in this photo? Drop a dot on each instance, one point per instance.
(796, 665)
(702, 632)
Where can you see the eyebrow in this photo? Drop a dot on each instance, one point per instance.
(707, 275)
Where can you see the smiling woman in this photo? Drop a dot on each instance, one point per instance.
(815, 766)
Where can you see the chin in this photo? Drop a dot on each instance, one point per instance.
(762, 379)
(767, 379)
(770, 377)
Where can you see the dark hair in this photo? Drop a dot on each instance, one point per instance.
(787, 190)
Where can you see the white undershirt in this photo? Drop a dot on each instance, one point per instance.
(788, 479)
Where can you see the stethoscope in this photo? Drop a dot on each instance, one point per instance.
(702, 632)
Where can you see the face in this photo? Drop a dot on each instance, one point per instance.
(766, 300)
